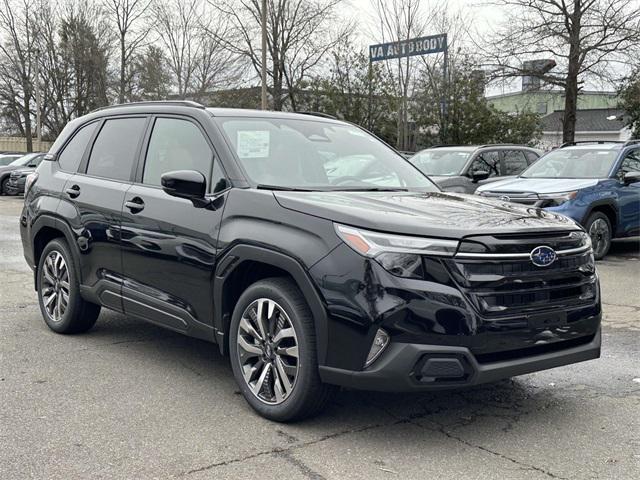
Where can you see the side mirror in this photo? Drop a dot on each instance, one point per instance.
(631, 177)
(479, 175)
(188, 184)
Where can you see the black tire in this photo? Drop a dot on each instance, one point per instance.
(308, 395)
(3, 186)
(599, 229)
(78, 315)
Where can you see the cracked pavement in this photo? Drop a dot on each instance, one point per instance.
(130, 400)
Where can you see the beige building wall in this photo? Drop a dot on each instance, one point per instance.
(19, 144)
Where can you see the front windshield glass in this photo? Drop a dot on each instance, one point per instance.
(22, 161)
(440, 162)
(573, 163)
(318, 155)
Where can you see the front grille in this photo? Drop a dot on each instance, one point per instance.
(524, 198)
(502, 287)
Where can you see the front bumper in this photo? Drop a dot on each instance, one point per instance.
(402, 367)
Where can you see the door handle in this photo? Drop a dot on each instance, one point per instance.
(73, 191)
(135, 205)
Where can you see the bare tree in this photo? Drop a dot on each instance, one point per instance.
(127, 15)
(17, 63)
(191, 34)
(586, 38)
(299, 34)
(400, 20)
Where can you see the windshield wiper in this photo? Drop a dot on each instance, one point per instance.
(369, 189)
(262, 186)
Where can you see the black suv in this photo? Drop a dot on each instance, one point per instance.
(232, 226)
(464, 168)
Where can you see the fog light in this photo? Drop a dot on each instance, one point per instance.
(380, 342)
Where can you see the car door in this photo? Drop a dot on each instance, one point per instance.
(629, 196)
(170, 246)
(93, 203)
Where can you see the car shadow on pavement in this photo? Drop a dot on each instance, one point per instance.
(503, 403)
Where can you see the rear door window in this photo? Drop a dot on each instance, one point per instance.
(114, 151)
(514, 162)
(71, 156)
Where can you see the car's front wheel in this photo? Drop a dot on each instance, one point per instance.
(3, 186)
(599, 229)
(62, 307)
(273, 352)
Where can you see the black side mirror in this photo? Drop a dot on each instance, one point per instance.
(188, 184)
(479, 175)
(631, 177)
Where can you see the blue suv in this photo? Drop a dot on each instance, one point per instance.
(595, 183)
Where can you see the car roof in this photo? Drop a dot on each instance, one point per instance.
(595, 146)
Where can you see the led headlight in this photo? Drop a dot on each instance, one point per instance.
(398, 254)
(557, 199)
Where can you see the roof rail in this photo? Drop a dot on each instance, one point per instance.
(319, 114)
(177, 103)
(631, 142)
(599, 142)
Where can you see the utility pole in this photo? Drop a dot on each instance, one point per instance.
(263, 14)
(38, 102)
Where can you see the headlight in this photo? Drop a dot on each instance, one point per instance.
(398, 254)
(557, 199)
(31, 179)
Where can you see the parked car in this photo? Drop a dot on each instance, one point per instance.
(6, 159)
(25, 160)
(595, 183)
(231, 226)
(18, 177)
(463, 168)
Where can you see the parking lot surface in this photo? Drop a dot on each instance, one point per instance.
(130, 400)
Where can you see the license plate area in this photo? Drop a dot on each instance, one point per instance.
(546, 320)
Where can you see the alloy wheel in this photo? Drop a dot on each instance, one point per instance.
(599, 233)
(55, 286)
(268, 351)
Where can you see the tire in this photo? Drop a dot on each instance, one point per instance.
(599, 229)
(3, 186)
(56, 275)
(284, 308)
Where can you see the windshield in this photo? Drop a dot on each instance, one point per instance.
(573, 163)
(317, 155)
(440, 162)
(24, 160)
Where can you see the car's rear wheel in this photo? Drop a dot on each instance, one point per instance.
(598, 227)
(273, 352)
(62, 307)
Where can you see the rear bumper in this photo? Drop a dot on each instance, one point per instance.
(402, 367)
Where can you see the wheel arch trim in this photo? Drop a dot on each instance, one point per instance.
(245, 252)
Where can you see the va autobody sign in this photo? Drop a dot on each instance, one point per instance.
(408, 48)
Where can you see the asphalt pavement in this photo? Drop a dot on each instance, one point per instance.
(130, 400)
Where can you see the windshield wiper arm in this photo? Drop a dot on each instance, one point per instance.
(370, 189)
(262, 186)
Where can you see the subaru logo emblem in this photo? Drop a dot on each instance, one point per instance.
(505, 198)
(543, 256)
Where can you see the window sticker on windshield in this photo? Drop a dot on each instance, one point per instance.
(253, 143)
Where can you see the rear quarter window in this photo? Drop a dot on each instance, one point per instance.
(69, 159)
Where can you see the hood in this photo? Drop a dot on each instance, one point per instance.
(22, 171)
(9, 168)
(539, 185)
(437, 214)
